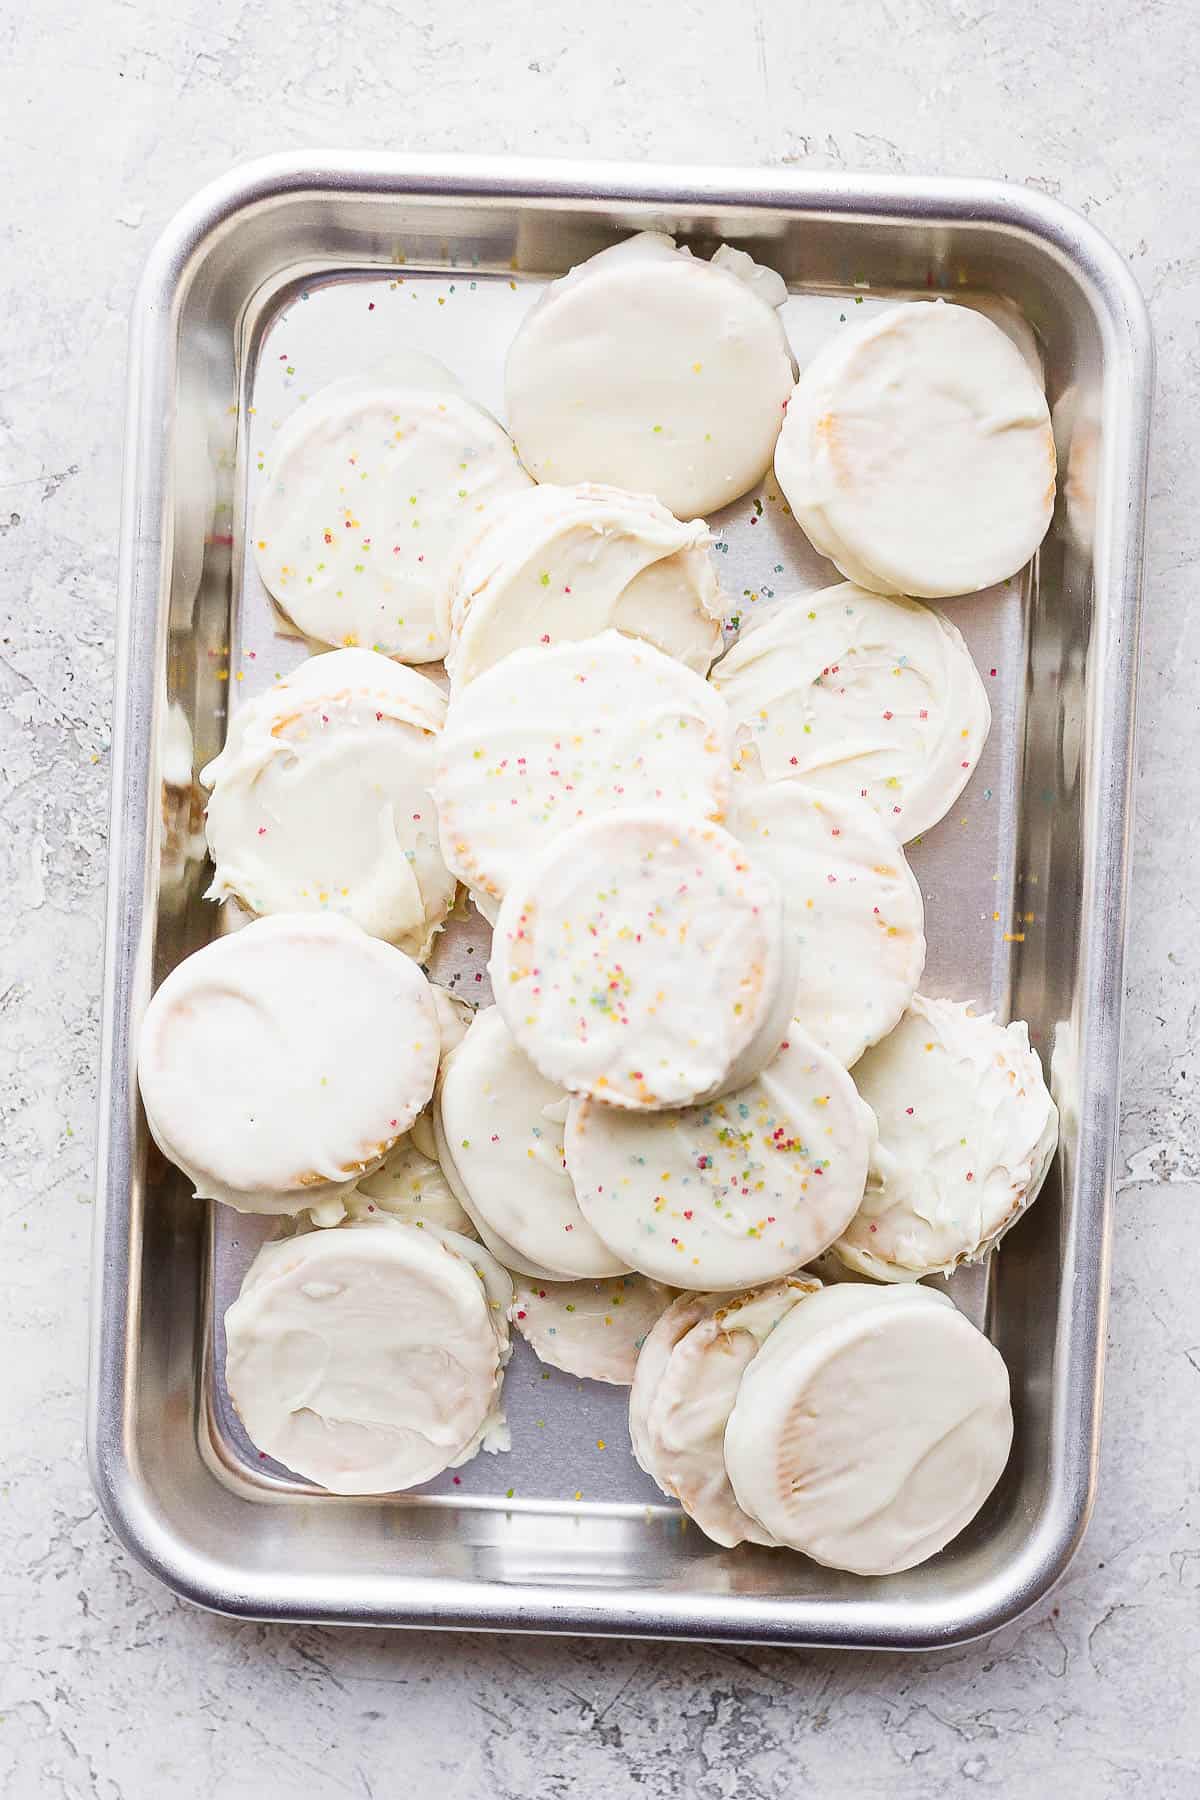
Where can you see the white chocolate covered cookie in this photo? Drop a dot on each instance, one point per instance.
(642, 958)
(367, 1358)
(322, 799)
(733, 1192)
(870, 1428)
(371, 488)
(559, 564)
(498, 1125)
(593, 1329)
(280, 1064)
(917, 452)
(851, 900)
(683, 1406)
(967, 1132)
(860, 695)
(410, 1185)
(653, 369)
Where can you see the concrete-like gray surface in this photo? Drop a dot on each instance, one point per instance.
(113, 112)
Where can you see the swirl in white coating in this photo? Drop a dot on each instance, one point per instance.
(861, 695)
(967, 1132)
(560, 564)
(366, 1358)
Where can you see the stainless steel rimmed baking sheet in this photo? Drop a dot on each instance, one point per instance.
(291, 273)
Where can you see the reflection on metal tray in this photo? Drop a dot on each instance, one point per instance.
(278, 280)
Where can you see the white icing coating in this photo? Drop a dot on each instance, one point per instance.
(917, 452)
(870, 1428)
(279, 1065)
(549, 737)
(857, 694)
(684, 1406)
(642, 958)
(967, 1132)
(367, 1358)
(370, 487)
(498, 1126)
(493, 1434)
(322, 799)
(593, 1329)
(454, 1018)
(766, 283)
(655, 370)
(653, 1358)
(410, 1185)
(497, 1282)
(558, 564)
(734, 1192)
(852, 901)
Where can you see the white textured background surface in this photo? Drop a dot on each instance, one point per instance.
(113, 112)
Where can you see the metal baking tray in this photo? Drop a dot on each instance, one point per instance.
(295, 270)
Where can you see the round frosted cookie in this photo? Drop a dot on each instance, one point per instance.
(498, 1125)
(861, 695)
(560, 564)
(547, 738)
(593, 1329)
(852, 901)
(496, 1282)
(643, 958)
(733, 1192)
(366, 1358)
(684, 1404)
(917, 452)
(870, 1428)
(280, 1064)
(967, 1132)
(652, 369)
(410, 1185)
(370, 487)
(322, 799)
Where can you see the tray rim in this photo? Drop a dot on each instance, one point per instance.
(142, 1527)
